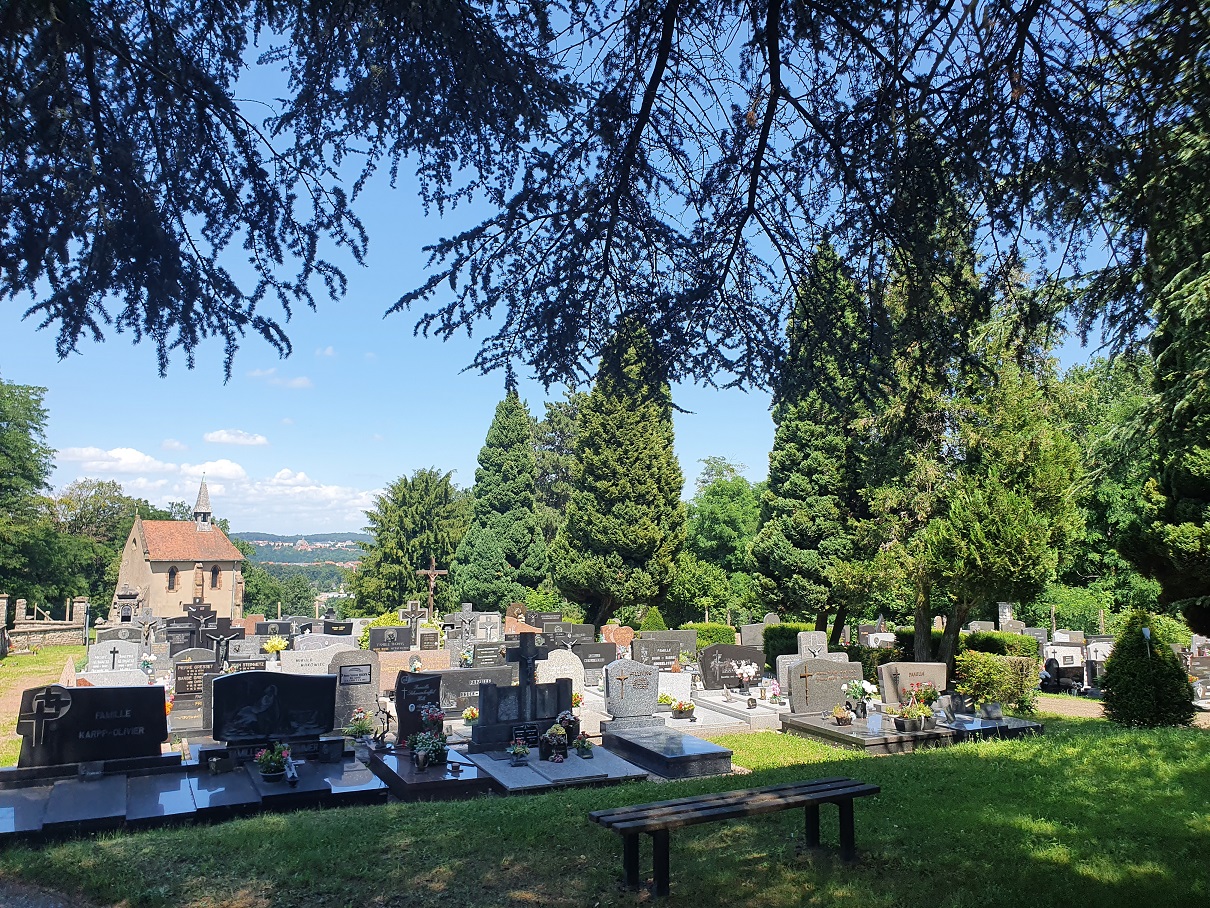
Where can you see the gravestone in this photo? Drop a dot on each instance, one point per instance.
(1199, 667)
(786, 663)
(1012, 626)
(390, 639)
(895, 677)
(717, 664)
(677, 685)
(413, 615)
(59, 726)
(119, 632)
(817, 685)
(430, 640)
(460, 686)
(882, 640)
(338, 628)
(218, 638)
(1004, 612)
(357, 682)
(488, 655)
(274, 629)
(663, 654)
(594, 657)
(359, 625)
(812, 644)
(414, 690)
(125, 678)
(189, 669)
(114, 656)
(488, 626)
(539, 619)
(566, 634)
(978, 627)
(181, 634)
(617, 634)
(262, 706)
(250, 649)
(323, 641)
(752, 634)
(687, 640)
(1039, 634)
(562, 663)
(631, 692)
(310, 661)
(1068, 636)
(523, 711)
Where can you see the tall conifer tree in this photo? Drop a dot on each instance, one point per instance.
(504, 552)
(625, 521)
(821, 455)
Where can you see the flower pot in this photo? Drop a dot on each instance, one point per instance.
(682, 713)
(908, 725)
(518, 759)
(546, 750)
(843, 720)
(279, 776)
(361, 750)
(421, 759)
(585, 753)
(930, 722)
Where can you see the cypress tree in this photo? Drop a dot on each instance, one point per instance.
(818, 465)
(1145, 684)
(504, 552)
(625, 521)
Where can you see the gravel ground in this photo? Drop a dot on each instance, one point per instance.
(1083, 708)
(19, 895)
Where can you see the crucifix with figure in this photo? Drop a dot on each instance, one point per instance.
(432, 574)
(219, 638)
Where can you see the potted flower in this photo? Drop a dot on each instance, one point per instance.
(429, 749)
(860, 693)
(842, 715)
(553, 743)
(583, 745)
(360, 725)
(746, 671)
(577, 700)
(274, 645)
(518, 752)
(433, 717)
(415, 664)
(923, 692)
(570, 723)
(663, 703)
(682, 709)
(775, 696)
(911, 717)
(271, 761)
(470, 715)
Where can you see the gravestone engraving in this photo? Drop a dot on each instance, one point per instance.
(786, 663)
(259, 706)
(812, 643)
(430, 640)
(114, 656)
(894, 678)
(390, 639)
(663, 654)
(631, 692)
(718, 663)
(275, 629)
(127, 678)
(310, 661)
(460, 686)
(817, 685)
(687, 640)
(1069, 636)
(568, 634)
(540, 619)
(414, 690)
(594, 657)
(357, 682)
(120, 632)
(323, 641)
(562, 663)
(59, 726)
(250, 649)
(488, 655)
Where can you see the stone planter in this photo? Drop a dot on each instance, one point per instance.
(518, 759)
(843, 720)
(908, 725)
(546, 750)
(682, 713)
(584, 753)
(279, 776)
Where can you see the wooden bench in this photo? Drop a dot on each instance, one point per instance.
(657, 819)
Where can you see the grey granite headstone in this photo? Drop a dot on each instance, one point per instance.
(1067, 636)
(114, 655)
(323, 641)
(977, 627)
(786, 663)
(250, 649)
(895, 677)
(771, 618)
(1039, 634)
(562, 663)
(812, 643)
(132, 677)
(309, 662)
(818, 684)
(357, 682)
(631, 692)
(1012, 626)
(752, 634)
(119, 632)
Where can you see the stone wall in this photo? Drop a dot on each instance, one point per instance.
(30, 632)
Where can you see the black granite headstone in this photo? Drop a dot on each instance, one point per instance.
(60, 725)
(274, 629)
(595, 657)
(390, 639)
(460, 686)
(565, 633)
(430, 640)
(339, 628)
(487, 655)
(662, 654)
(254, 706)
(412, 691)
(539, 619)
(717, 664)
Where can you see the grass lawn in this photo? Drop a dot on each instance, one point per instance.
(19, 672)
(1089, 814)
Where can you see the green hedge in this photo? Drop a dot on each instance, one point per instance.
(1000, 643)
(905, 642)
(988, 678)
(387, 619)
(871, 657)
(709, 633)
(782, 640)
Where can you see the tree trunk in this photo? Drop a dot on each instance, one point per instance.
(821, 619)
(842, 614)
(923, 639)
(949, 640)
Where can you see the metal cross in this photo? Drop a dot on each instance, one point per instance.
(113, 658)
(621, 679)
(432, 574)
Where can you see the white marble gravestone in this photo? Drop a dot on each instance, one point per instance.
(114, 656)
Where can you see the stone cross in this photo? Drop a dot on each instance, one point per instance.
(432, 574)
(412, 615)
(526, 655)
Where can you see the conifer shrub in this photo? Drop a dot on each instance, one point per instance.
(1145, 684)
(653, 620)
(709, 633)
(782, 640)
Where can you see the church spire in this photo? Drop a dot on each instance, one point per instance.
(201, 510)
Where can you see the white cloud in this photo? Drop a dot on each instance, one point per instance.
(171, 444)
(214, 469)
(235, 437)
(279, 381)
(326, 351)
(115, 460)
(287, 421)
(262, 373)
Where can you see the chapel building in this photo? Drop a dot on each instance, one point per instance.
(170, 564)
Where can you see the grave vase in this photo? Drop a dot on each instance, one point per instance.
(546, 749)
(279, 776)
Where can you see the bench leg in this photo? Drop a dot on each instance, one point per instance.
(848, 847)
(812, 825)
(630, 860)
(659, 858)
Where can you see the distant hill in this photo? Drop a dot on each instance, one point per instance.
(317, 548)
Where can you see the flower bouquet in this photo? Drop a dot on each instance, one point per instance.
(271, 761)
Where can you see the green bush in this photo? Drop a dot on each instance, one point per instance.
(988, 678)
(1173, 630)
(653, 620)
(905, 642)
(871, 657)
(709, 633)
(1145, 684)
(1076, 608)
(782, 640)
(387, 619)
(1000, 643)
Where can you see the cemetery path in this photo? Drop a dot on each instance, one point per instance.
(1083, 708)
(20, 895)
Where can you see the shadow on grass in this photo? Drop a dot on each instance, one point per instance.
(1089, 814)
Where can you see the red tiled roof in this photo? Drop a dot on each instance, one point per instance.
(181, 540)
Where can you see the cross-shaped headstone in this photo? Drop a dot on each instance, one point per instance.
(526, 655)
(465, 622)
(201, 612)
(413, 615)
(220, 636)
(432, 574)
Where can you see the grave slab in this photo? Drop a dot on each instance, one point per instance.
(76, 807)
(227, 795)
(22, 810)
(669, 753)
(159, 800)
(437, 783)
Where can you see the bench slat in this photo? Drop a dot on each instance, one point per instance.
(611, 814)
(756, 806)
